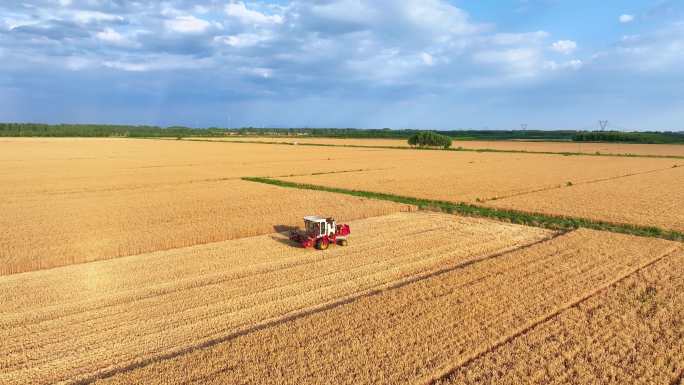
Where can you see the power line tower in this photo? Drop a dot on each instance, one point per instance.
(523, 126)
(603, 124)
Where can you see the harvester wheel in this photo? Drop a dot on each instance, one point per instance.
(322, 244)
(343, 242)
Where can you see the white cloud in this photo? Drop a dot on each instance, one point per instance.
(111, 36)
(427, 59)
(565, 47)
(243, 40)
(571, 65)
(265, 73)
(240, 11)
(522, 58)
(65, 3)
(624, 19)
(160, 63)
(187, 24)
(662, 50)
(90, 16)
(75, 63)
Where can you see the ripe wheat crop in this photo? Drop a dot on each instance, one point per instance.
(418, 332)
(632, 333)
(653, 199)
(474, 177)
(80, 321)
(501, 145)
(84, 227)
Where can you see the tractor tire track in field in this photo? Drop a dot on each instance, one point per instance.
(447, 371)
(302, 313)
(408, 334)
(498, 198)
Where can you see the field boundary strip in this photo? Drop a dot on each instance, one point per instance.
(553, 222)
(445, 372)
(304, 312)
(457, 149)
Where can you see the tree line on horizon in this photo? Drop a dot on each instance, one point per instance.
(101, 130)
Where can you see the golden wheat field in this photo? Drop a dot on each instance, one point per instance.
(103, 198)
(87, 226)
(153, 262)
(170, 302)
(502, 145)
(77, 200)
(472, 177)
(421, 331)
(638, 321)
(651, 199)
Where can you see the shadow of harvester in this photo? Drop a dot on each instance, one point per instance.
(286, 230)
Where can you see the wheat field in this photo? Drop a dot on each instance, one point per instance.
(85, 320)
(88, 226)
(502, 145)
(652, 199)
(473, 177)
(629, 334)
(421, 331)
(68, 201)
(152, 262)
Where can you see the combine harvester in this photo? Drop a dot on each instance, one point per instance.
(320, 233)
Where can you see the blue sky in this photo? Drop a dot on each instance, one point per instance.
(552, 64)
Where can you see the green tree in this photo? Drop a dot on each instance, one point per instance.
(429, 139)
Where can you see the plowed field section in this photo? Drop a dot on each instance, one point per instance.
(92, 319)
(44, 232)
(630, 334)
(413, 333)
(653, 199)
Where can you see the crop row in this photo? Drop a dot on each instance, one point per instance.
(86, 320)
(417, 332)
(630, 334)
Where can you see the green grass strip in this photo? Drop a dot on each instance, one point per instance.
(546, 221)
(457, 149)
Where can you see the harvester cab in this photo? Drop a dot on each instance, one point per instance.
(320, 232)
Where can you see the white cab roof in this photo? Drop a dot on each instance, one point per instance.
(314, 218)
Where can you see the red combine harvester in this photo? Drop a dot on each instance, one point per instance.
(320, 233)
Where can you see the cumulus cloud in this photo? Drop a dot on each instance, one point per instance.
(571, 64)
(565, 47)
(239, 11)
(292, 49)
(625, 18)
(187, 24)
(109, 35)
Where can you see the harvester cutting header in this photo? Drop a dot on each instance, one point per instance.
(320, 233)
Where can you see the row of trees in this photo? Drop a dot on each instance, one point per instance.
(630, 137)
(417, 138)
(429, 139)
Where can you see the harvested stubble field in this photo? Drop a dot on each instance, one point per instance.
(500, 145)
(94, 319)
(423, 330)
(469, 177)
(632, 333)
(653, 199)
